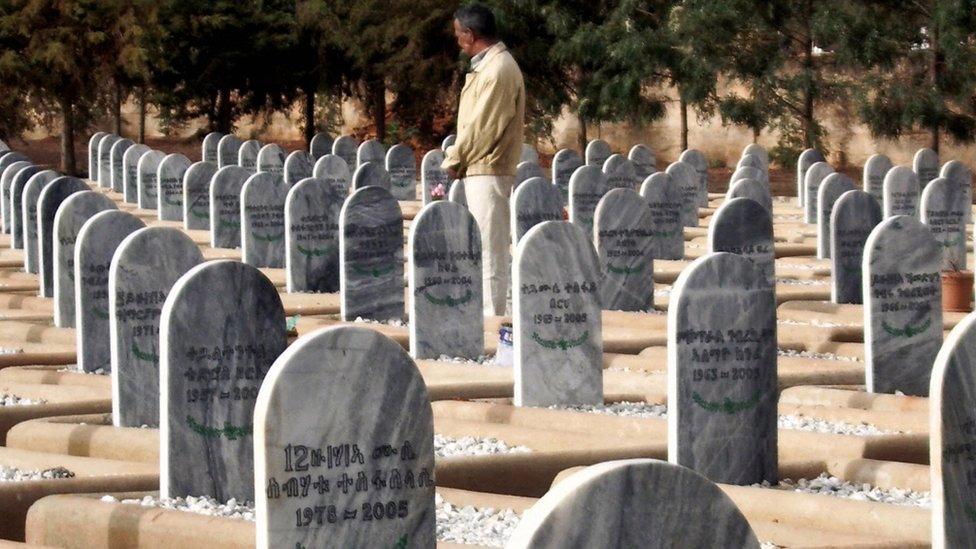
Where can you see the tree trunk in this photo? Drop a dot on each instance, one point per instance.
(808, 71)
(936, 75)
(224, 111)
(118, 108)
(581, 136)
(755, 135)
(684, 122)
(309, 114)
(142, 115)
(377, 98)
(68, 138)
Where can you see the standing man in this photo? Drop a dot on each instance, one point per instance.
(490, 123)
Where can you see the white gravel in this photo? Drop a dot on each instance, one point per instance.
(474, 526)
(832, 486)
(813, 322)
(626, 409)
(202, 505)
(13, 474)
(7, 399)
(797, 282)
(11, 351)
(445, 447)
(483, 360)
(75, 369)
(818, 356)
(393, 322)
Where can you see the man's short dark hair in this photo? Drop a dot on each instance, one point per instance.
(478, 19)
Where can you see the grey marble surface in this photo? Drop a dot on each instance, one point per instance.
(346, 147)
(901, 192)
(527, 170)
(621, 172)
(210, 150)
(902, 306)
(6, 192)
(92, 167)
(298, 166)
(95, 246)
(432, 175)
(752, 161)
(247, 154)
(145, 266)
(320, 145)
(962, 176)
(222, 327)
(752, 189)
(387, 435)
(25, 189)
(564, 163)
(687, 180)
(263, 220)
(9, 157)
(556, 315)
(50, 199)
(117, 157)
(722, 390)
(750, 172)
(662, 194)
(169, 186)
(645, 163)
(73, 213)
(952, 453)
(271, 158)
(371, 174)
(148, 180)
(225, 206)
(529, 154)
(807, 158)
(757, 150)
(742, 226)
(402, 167)
(105, 160)
(445, 283)
(196, 195)
(371, 256)
(597, 152)
(534, 201)
(815, 175)
(832, 187)
(334, 169)
(448, 141)
(587, 186)
(634, 503)
(696, 159)
(624, 234)
(925, 164)
(228, 151)
(456, 194)
(130, 172)
(312, 235)
(370, 150)
(943, 208)
(875, 169)
(854, 216)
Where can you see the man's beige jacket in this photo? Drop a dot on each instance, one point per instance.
(491, 116)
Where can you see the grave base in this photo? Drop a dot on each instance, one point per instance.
(61, 400)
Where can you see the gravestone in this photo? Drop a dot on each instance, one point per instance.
(874, 173)
(4, 147)
(130, 172)
(807, 158)
(749, 172)
(952, 454)
(345, 147)
(105, 160)
(148, 180)
(320, 145)
(696, 159)
(50, 199)
(625, 242)
(93, 142)
(196, 195)
(70, 217)
(228, 151)
(391, 442)
(902, 306)
(371, 174)
(815, 176)
(943, 210)
(597, 152)
(586, 187)
(645, 163)
(117, 155)
(225, 206)
(621, 173)
(247, 155)
(743, 227)
(556, 315)
(854, 216)
(753, 190)
(751, 161)
(833, 186)
(222, 327)
(925, 164)
(527, 170)
(634, 503)
(663, 196)
(312, 235)
(271, 159)
(402, 167)
(169, 186)
(298, 166)
(445, 283)
(528, 154)
(96, 244)
(432, 175)
(370, 150)
(564, 164)
(722, 389)
(6, 183)
(263, 220)
(371, 256)
(145, 266)
(901, 192)
(962, 176)
(533, 202)
(456, 194)
(24, 220)
(334, 170)
(448, 142)
(210, 151)
(9, 157)
(758, 151)
(684, 176)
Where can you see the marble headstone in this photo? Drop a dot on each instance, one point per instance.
(645, 163)
(759, 151)
(445, 283)
(225, 206)
(130, 172)
(925, 164)
(597, 152)
(145, 266)
(221, 328)
(696, 159)
(854, 216)
(345, 147)
(962, 176)
(6, 183)
(663, 196)
(564, 164)
(211, 147)
(448, 142)
(26, 186)
(752, 189)
(686, 178)
(527, 170)
(148, 182)
(587, 186)
(371, 174)
(51, 197)
(228, 151)
(902, 306)
(370, 150)
(169, 186)
(9, 157)
(371, 256)
(384, 446)
(625, 242)
(271, 159)
(456, 194)
(751, 161)
(743, 227)
(93, 142)
(117, 156)
(943, 209)
(534, 201)
(402, 167)
(901, 192)
(320, 145)
(247, 154)
(196, 195)
(529, 154)
(811, 185)
(432, 175)
(556, 314)
(807, 158)
(312, 235)
(263, 220)
(621, 172)
(334, 169)
(105, 160)
(298, 166)
(833, 186)
(749, 172)
(874, 173)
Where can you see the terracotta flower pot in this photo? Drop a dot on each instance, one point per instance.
(957, 291)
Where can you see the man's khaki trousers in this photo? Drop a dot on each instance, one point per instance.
(488, 200)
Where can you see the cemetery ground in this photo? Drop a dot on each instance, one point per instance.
(768, 374)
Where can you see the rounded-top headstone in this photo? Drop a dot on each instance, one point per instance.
(533, 202)
(743, 226)
(196, 195)
(749, 172)
(752, 189)
(312, 235)
(169, 186)
(228, 150)
(432, 175)
(456, 194)
(687, 179)
(371, 174)
(334, 169)
(925, 164)
(664, 198)
(210, 147)
(271, 158)
(758, 151)
(345, 147)
(528, 154)
(225, 206)
(854, 216)
(587, 186)
(93, 142)
(901, 192)
(448, 142)
(621, 173)
(832, 187)
(597, 152)
(147, 182)
(645, 163)
(370, 150)
(402, 167)
(320, 145)
(247, 154)
(117, 155)
(874, 173)
(263, 220)
(7, 158)
(298, 166)
(105, 160)
(564, 163)
(624, 234)
(26, 189)
(696, 159)
(807, 158)
(962, 176)
(50, 199)
(527, 170)
(751, 161)
(130, 172)
(943, 209)
(9, 198)
(371, 256)
(815, 175)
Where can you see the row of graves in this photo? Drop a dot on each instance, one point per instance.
(288, 350)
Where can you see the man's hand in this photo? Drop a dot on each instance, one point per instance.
(453, 173)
